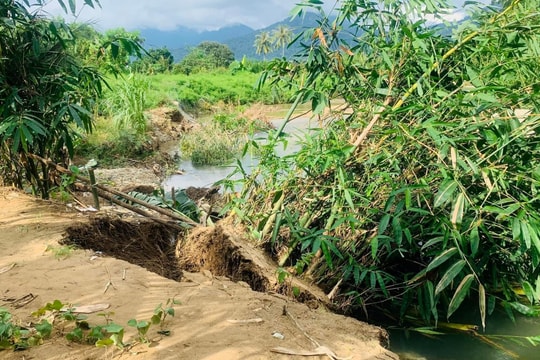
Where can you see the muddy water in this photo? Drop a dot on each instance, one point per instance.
(206, 176)
(412, 345)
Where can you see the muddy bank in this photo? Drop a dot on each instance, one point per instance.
(212, 321)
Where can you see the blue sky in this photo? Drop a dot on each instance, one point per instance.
(196, 14)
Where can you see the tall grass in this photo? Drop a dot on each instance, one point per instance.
(219, 139)
(126, 101)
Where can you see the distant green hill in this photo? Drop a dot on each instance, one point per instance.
(239, 38)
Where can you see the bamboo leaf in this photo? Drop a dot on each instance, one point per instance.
(450, 274)
(525, 234)
(457, 212)
(529, 291)
(534, 236)
(72, 6)
(445, 192)
(427, 331)
(461, 292)
(474, 239)
(441, 258)
(482, 304)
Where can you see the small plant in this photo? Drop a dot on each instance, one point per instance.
(62, 190)
(18, 337)
(60, 252)
(142, 329)
(162, 312)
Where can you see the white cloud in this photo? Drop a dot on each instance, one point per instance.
(169, 14)
(197, 14)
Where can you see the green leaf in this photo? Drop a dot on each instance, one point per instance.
(104, 342)
(525, 234)
(374, 247)
(441, 258)
(474, 240)
(459, 295)
(446, 191)
(524, 309)
(457, 211)
(113, 328)
(534, 235)
(72, 6)
(529, 291)
(156, 319)
(62, 5)
(383, 224)
(449, 276)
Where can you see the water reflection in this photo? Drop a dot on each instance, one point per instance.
(413, 345)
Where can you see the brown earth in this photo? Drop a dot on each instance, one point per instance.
(217, 318)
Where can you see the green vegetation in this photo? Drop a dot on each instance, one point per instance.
(219, 140)
(47, 93)
(206, 56)
(423, 193)
(266, 42)
(126, 102)
(62, 317)
(154, 61)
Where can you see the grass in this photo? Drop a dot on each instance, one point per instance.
(120, 130)
(111, 146)
(202, 90)
(221, 138)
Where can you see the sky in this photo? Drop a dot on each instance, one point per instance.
(195, 14)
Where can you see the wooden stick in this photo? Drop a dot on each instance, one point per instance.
(103, 190)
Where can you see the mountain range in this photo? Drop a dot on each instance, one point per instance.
(239, 38)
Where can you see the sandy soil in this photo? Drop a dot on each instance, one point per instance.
(206, 325)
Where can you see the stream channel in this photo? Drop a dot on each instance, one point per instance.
(408, 344)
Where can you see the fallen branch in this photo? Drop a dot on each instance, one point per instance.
(103, 190)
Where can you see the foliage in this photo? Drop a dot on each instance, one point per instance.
(423, 192)
(110, 52)
(208, 55)
(123, 45)
(281, 37)
(181, 203)
(112, 146)
(125, 103)
(211, 145)
(220, 140)
(47, 93)
(263, 43)
(154, 61)
(59, 315)
(266, 42)
(202, 91)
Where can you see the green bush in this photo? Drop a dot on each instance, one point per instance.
(424, 191)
